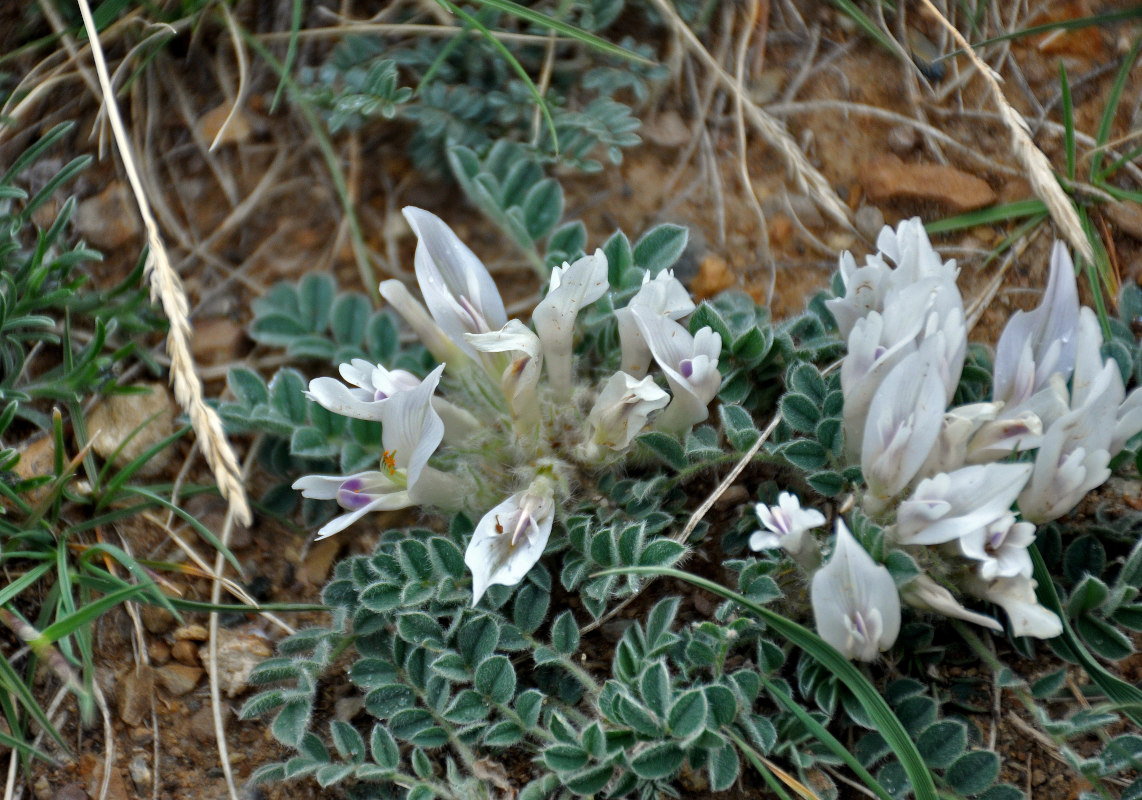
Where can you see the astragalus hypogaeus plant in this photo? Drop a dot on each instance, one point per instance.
(550, 455)
(958, 489)
(515, 423)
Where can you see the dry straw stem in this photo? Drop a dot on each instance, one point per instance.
(808, 179)
(1037, 166)
(167, 288)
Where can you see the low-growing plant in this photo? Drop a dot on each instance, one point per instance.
(470, 638)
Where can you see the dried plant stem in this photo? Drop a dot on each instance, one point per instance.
(1034, 162)
(167, 288)
(807, 177)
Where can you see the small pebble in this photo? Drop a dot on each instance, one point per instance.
(185, 652)
(141, 774)
(868, 221)
(159, 651)
(902, 140)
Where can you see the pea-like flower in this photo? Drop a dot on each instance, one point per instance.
(690, 364)
(411, 432)
(1001, 548)
(787, 526)
(855, 603)
(660, 296)
(621, 412)
(511, 538)
(951, 505)
(1037, 344)
(572, 288)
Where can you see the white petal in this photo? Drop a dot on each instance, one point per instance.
(621, 410)
(969, 499)
(573, 287)
(852, 588)
(435, 340)
(412, 430)
(459, 292)
(491, 555)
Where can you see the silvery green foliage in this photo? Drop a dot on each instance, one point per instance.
(465, 92)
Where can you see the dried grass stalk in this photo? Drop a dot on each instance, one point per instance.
(1035, 163)
(807, 178)
(167, 289)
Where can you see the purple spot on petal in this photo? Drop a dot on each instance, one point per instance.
(686, 368)
(350, 496)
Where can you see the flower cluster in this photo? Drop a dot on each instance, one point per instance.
(514, 425)
(959, 489)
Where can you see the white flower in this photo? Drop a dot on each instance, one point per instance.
(435, 340)
(855, 603)
(927, 595)
(520, 378)
(459, 292)
(904, 421)
(690, 364)
(1016, 596)
(871, 288)
(951, 505)
(572, 287)
(787, 524)
(971, 434)
(1038, 344)
(510, 538)
(358, 494)
(371, 387)
(621, 410)
(664, 296)
(1075, 450)
(411, 431)
(1001, 548)
(1128, 422)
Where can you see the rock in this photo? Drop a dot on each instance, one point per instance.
(69, 791)
(238, 654)
(348, 707)
(36, 458)
(713, 277)
(159, 651)
(216, 340)
(110, 219)
(135, 690)
(201, 724)
(141, 775)
(114, 424)
(666, 129)
(902, 139)
(236, 131)
(42, 790)
(116, 787)
(193, 633)
(185, 652)
(869, 221)
(156, 619)
(318, 561)
(889, 178)
(178, 679)
(1127, 216)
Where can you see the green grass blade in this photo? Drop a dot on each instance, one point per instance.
(145, 581)
(11, 681)
(84, 616)
(25, 748)
(291, 52)
(988, 216)
(1116, 165)
(1111, 108)
(865, 23)
(513, 62)
(1068, 120)
(1061, 25)
(9, 592)
(887, 723)
(754, 758)
(199, 528)
(570, 31)
(1126, 695)
(826, 738)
